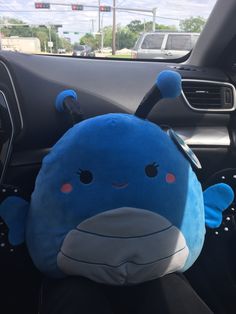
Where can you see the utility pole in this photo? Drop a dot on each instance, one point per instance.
(92, 20)
(56, 44)
(99, 15)
(50, 38)
(154, 12)
(102, 41)
(114, 29)
(102, 35)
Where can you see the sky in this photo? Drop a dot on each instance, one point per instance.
(168, 12)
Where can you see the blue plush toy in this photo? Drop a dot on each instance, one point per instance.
(117, 201)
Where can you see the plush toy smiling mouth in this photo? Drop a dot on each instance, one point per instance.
(117, 185)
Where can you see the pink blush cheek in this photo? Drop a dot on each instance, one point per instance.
(170, 178)
(66, 188)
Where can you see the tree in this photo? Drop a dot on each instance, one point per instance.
(193, 24)
(11, 30)
(64, 43)
(125, 38)
(107, 33)
(148, 27)
(135, 26)
(43, 38)
(90, 40)
(41, 32)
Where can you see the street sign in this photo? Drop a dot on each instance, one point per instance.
(50, 44)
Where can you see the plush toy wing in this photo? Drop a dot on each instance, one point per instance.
(13, 211)
(216, 199)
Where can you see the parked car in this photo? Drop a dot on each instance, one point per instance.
(61, 50)
(163, 45)
(83, 51)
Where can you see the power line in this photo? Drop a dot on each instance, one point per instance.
(63, 11)
(39, 24)
(135, 13)
(11, 10)
(33, 11)
(120, 3)
(169, 18)
(158, 16)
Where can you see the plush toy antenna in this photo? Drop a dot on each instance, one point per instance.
(67, 101)
(168, 85)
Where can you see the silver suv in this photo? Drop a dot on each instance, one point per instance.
(163, 45)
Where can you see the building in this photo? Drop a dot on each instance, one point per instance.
(21, 44)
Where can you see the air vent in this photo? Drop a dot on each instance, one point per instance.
(209, 95)
(187, 68)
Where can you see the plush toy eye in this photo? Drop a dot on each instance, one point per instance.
(86, 176)
(151, 170)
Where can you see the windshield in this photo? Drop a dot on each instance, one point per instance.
(150, 29)
(79, 47)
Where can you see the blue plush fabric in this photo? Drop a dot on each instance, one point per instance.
(116, 148)
(216, 199)
(169, 83)
(132, 163)
(127, 175)
(62, 96)
(14, 212)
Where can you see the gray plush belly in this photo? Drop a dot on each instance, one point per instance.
(123, 246)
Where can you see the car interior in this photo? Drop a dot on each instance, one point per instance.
(204, 116)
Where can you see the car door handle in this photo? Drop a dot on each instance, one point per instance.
(168, 53)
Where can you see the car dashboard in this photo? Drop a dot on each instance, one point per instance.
(29, 85)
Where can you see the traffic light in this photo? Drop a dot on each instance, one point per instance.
(105, 8)
(42, 5)
(77, 7)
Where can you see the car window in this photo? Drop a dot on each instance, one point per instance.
(138, 42)
(135, 29)
(79, 48)
(152, 41)
(178, 42)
